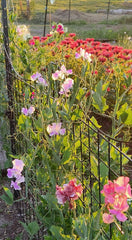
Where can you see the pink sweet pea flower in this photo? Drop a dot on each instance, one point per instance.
(18, 164)
(122, 186)
(55, 129)
(62, 73)
(84, 55)
(108, 218)
(68, 83)
(69, 192)
(108, 191)
(55, 75)
(116, 194)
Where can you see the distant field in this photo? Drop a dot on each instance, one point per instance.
(84, 19)
(38, 6)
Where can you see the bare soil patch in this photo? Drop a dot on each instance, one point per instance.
(62, 16)
(10, 225)
(91, 21)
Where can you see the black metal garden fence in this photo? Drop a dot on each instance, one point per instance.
(96, 156)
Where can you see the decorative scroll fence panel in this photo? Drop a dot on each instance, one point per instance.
(95, 158)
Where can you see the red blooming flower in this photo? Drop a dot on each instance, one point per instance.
(69, 192)
(43, 39)
(31, 42)
(36, 38)
(87, 94)
(72, 34)
(67, 56)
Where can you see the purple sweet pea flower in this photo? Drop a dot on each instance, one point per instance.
(16, 173)
(15, 184)
(25, 111)
(28, 112)
(55, 129)
(77, 55)
(35, 76)
(42, 81)
(16, 170)
(11, 172)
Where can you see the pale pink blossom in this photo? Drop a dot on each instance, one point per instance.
(55, 129)
(84, 55)
(62, 73)
(69, 192)
(66, 86)
(56, 75)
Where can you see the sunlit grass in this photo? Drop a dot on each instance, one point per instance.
(122, 20)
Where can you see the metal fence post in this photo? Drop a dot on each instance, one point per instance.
(9, 78)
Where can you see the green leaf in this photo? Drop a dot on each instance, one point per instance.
(47, 113)
(31, 228)
(7, 197)
(57, 232)
(98, 88)
(124, 116)
(49, 238)
(21, 119)
(93, 119)
(66, 156)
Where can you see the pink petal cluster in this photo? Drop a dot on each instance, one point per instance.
(69, 192)
(28, 112)
(116, 194)
(62, 73)
(16, 173)
(68, 83)
(38, 77)
(84, 55)
(55, 129)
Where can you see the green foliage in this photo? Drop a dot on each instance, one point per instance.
(58, 234)
(99, 101)
(7, 197)
(32, 228)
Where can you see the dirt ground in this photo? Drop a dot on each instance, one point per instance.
(10, 225)
(91, 20)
